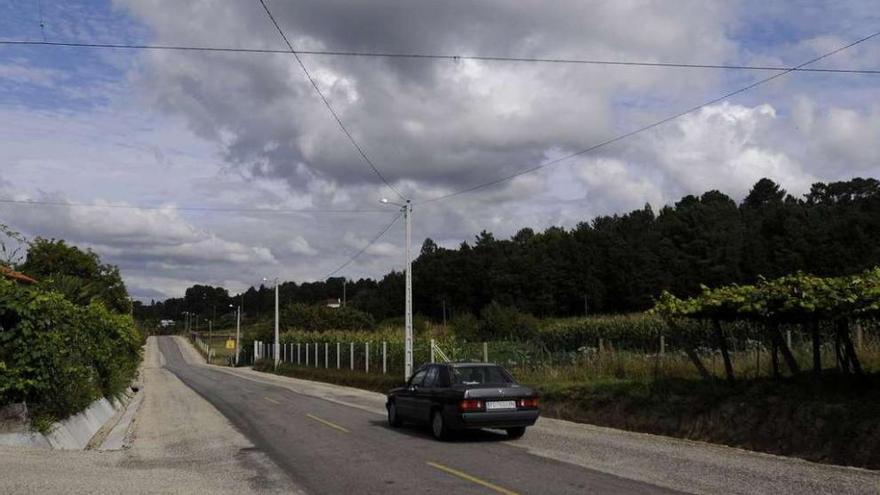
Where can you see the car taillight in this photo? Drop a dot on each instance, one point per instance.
(528, 403)
(470, 405)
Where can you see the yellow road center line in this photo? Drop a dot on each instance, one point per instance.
(327, 423)
(273, 401)
(472, 479)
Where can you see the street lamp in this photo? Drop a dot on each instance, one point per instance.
(237, 330)
(277, 354)
(406, 208)
(210, 337)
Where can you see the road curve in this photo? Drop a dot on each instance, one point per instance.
(326, 447)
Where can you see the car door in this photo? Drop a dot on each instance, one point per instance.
(424, 395)
(406, 399)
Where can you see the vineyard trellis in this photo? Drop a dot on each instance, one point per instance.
(819, 305)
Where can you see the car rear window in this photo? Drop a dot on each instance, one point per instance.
(477, 375)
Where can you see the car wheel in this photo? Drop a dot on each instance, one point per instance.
(394, 420)
(517, 432)
(438, 426)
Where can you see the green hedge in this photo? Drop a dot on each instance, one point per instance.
(59, 357)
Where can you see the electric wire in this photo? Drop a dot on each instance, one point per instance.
(436, 56)
(187, 208)
(327, 103)
(367, 246)
(646, 127)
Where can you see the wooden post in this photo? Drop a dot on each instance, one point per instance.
(485, 352)
(384, 357)
(338, 365)
(788, 338)
(352, 356)
(432, 350)
(367, 357)
(326, 354)
(316, 354)
(662, 345)
(860, 336)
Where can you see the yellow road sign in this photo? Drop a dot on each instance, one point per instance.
(230, 344)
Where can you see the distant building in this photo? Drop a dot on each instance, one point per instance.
(19, 277)
(166, 323)
(333, 303)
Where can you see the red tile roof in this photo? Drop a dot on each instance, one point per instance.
(17, 276)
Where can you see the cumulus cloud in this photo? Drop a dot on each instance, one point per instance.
(241, 132)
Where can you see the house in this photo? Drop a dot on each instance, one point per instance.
(333, 303)
(13, 275)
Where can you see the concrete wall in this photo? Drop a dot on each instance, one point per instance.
(73, 433)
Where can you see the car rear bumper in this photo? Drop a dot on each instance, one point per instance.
(496, 419)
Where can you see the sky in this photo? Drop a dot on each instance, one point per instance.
(221, 152)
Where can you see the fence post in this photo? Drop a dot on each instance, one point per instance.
(485, 352)
(860, 335)
(316, 354)
(662, 345)
(352, 356)
(307, 354)
(432, 350)
(255, 349)
(326, 355)
(788, 338)
(384, 357)
(298, 354)
(337, 356)
(367, 357)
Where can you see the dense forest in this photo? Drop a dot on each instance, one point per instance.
(612, 264)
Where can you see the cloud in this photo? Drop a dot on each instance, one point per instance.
(445, 123)
(240, 132)
(299, 245)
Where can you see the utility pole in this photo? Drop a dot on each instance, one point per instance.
(407, 214)
(408, 325)
(343, 291)
(275, 349)
(210, 338)
(237, 333)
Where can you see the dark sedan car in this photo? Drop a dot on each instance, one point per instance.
(460, 396)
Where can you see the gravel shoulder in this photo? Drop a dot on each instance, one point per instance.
(179, 444)
(683, 465)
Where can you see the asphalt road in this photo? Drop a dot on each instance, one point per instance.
(326, 447)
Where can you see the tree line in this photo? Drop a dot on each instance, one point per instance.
(610, 264)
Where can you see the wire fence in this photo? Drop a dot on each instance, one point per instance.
(661, 357)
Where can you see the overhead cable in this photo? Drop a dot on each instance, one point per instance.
(367, 246)
(436, 56)
(27, 202)
(327, 103)
(646, 127)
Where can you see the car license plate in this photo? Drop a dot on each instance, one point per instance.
(500, 404)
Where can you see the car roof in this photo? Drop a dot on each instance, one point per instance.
(471, 365)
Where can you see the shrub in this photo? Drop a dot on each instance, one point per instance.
(506, 322)
(59, 357)
(322, 318)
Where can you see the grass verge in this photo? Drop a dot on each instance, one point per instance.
(832, 420)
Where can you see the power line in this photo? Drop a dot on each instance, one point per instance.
(436, 56)
(327, 103)
(647, 127)
(362, 250)
(183, 208)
